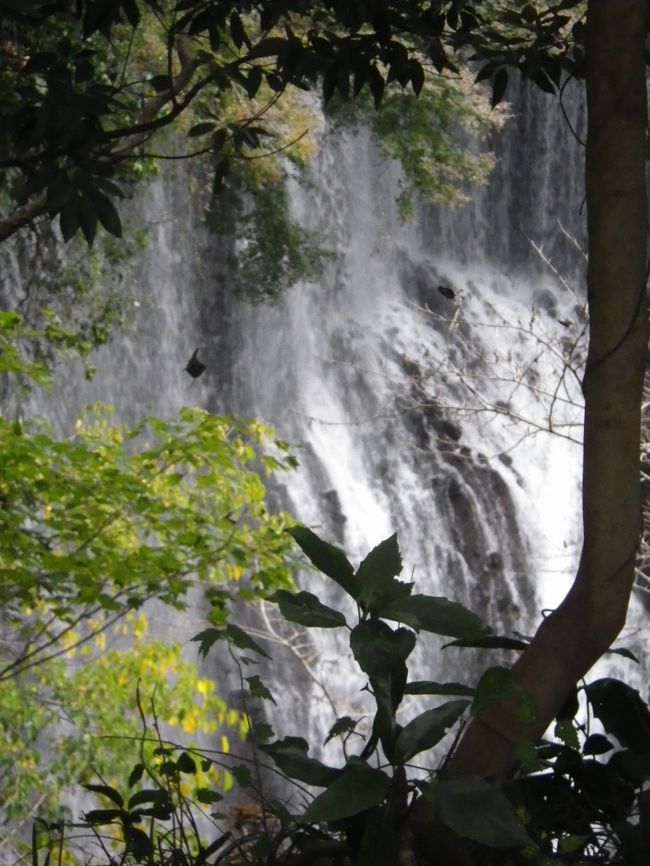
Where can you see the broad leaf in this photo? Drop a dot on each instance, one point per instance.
(377, 647)
(622, 712)
(435, 614)
(428, 687)
(106, 791)
(242, 640)
(104, 816)
(427, 729)
(490, 642)
(476, 810)
(344, 725)
(305, 609)
(258, 689)
(356, 789)
(207, 638)
(186, 763)
(376, 575)
(623, 651)
(380, 841)
(597, 744)
(290, 755)
(327, 558)
(148, 795)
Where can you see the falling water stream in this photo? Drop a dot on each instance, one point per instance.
(428, 381)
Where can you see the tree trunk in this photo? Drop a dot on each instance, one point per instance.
(575, 635)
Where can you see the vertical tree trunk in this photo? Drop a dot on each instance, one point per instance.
(575, 635)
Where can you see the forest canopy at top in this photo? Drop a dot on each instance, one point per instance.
(76, 113)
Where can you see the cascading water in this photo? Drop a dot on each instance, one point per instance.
(411, 378)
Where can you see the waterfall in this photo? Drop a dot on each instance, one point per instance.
(415, 378)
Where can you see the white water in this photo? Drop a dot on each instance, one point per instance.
(374, 375)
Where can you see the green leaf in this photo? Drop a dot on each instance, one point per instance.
(434, 614)
(565, 730)
(207, 638)
(104, 816)
(426, 730)
(69, 220)
(138, 843)
(622, 712)
(186, 763)
(623, 651)
(87, 216)
(377, 647)
(327, 558)
(376, 575)
(148, 795)
(291, 756)
(380, 840)
(476, 810)
(205, 795)
(417, 77)
(258, 689)
(242, 775)
(106, 213)
(136, 774)
(305, 609)
(428, 687)
(490, 642)
(344, 725)
(597, 744)
(242, 640)
(357, 788)
(106, 791)
(201, 129)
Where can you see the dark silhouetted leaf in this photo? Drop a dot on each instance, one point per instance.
(290, 755)
(136, 774)
(377, 647)
(258, 689)
(207, 638)
(106, 791)
(305, 609)
(242, 775)
(186, 763)
(428, 687)
(623, 651)
(489, 642)
(150, 795)
(357, 788)
(195, 367)
(344, 725)
(435, 614)
(205, 795)
(242, 640)
(427, 729)
(622, 712)
(376, 576)
(476, 810)
(107, 214)
(327, 558)
(104, 816)
(201, 129)
(597, 744)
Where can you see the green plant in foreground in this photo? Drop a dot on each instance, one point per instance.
(569, 805)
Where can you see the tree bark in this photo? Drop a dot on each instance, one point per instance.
(577, 633)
